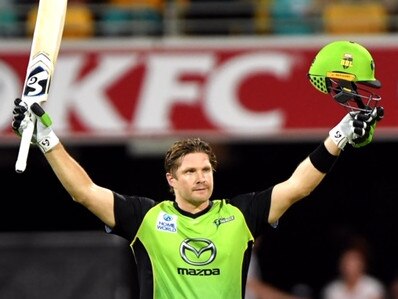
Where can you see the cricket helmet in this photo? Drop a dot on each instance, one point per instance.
(339, 67)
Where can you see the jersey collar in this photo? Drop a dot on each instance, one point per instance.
(196, 215)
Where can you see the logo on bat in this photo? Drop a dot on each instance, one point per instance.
(37, 83)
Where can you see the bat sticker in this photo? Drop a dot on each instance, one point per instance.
(38, 80)
(37, 83)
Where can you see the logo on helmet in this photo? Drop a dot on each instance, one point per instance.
(346, 61)
(372, 65)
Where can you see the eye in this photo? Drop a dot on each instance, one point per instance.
(207, 169)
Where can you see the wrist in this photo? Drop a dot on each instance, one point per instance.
(48, 142)
(338, 137)
(322, 159)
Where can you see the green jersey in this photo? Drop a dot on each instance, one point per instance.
(186, 256)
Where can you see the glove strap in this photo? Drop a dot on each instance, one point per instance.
(338, 137)
(322, 159)
(48, 142)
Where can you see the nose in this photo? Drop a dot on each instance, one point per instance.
(201, 177)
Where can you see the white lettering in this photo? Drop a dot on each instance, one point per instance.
(166, 84)
(87, 96)
(222, 102)
(164, 88)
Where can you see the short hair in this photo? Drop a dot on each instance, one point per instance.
(359, 245)
(187, 146)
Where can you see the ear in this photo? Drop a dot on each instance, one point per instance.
(170, 179)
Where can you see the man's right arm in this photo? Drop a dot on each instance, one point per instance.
(72, 176)
(79, 185)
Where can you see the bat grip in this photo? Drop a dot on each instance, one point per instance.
(24, 146)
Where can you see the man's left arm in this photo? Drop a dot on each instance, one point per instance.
(356, 129)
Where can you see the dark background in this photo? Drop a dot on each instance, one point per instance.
(357, 198)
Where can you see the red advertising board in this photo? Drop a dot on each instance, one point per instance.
(234, 89)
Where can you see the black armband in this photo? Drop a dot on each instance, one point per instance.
(322, 159)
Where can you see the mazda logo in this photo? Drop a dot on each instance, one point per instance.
(198, 251)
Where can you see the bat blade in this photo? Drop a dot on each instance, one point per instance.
(44, 51)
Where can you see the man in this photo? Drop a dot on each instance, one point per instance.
(354, 281)
(195, 246)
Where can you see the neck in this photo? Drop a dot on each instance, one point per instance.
(191, 207)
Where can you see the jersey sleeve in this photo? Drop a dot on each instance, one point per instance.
(129, 212)
(255, 207)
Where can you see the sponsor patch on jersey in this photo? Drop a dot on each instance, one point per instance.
(220, 221)
(167, 222)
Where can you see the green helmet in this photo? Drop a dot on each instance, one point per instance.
(342, 61)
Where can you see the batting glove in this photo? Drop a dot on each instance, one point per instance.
(370, 119)
(20, 117)
(356, 128)
(43, 135)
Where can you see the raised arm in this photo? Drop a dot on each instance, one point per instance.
(72, 176)
(355, 128)
(305, 178)
(345, 70)
(78, 184)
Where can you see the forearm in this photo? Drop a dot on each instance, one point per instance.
(71, 175)
(305, 178)
(78, 184)
(332, 147)
(313, 169)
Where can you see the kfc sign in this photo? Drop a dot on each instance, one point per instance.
(161, 90)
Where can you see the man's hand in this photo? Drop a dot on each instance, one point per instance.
(20, 117)
(356, 128)
(370, 119)
(43, 134)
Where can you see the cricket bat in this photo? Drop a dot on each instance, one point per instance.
(44, 51)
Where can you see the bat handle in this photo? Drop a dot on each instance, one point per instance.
(24, 146)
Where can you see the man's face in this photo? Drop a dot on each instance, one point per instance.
(193, 181)
(352, 265)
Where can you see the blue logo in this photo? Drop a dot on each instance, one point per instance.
(167, 217)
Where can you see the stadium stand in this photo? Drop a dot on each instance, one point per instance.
(132, 17)
(79, 21)
(358, 18)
